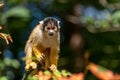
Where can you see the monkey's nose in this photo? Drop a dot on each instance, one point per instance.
(51, 34)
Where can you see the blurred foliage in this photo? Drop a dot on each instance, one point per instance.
(56, 75)
(18, 11)
(98, 71)
(96, 21)
(7, 68)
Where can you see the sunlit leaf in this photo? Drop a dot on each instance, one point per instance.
(116, 18)
(47, 72)
(4, 78)
(101, 24)
(104, 24)
(116, 15)
(89, 20)
(32, 78)
(57, 74)
(65, 73)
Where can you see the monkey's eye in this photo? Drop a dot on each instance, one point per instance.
(53, 28)
(48, 28)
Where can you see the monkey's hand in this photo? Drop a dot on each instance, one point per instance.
(40, 56)
(32, 65)
(53, 68)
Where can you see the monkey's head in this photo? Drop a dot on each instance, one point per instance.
(50, 27)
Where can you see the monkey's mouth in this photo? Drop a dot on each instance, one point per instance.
(51, 34)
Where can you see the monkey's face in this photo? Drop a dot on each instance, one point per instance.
(50, 30)
(50, 27)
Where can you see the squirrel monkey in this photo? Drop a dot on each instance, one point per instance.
(43, 44)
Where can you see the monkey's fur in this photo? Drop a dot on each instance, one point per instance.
(43, 44)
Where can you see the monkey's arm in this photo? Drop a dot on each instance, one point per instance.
(38, 54)
(29, 57)
(54, 59)
(28, 52)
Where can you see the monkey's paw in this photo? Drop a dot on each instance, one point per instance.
(27, 67)
(53, 67)
(33, 65)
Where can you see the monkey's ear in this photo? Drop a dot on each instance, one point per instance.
(41, 22)
(58, 24)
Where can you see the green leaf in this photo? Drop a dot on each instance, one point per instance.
(7, 61)
(89, 20)
(2, 66)
(101, 24)
(65, 73)
(18, 11)
(116, 16)
(47, 72)
(4, 78)
(57, 74)
(104, 24)
(32, 78)
(15, 64)
(101, 69)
